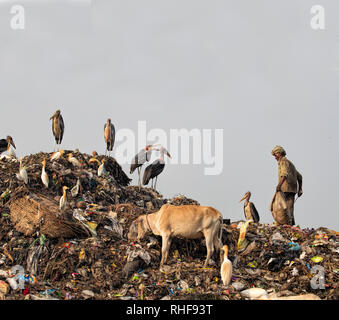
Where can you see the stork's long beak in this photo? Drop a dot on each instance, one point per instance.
(243, 198)
(154, 147)
(167, 153)
(12, 143)
(54, 114)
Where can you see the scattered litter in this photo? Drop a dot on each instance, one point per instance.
(84, 252)
(254, 293)
(317, 259)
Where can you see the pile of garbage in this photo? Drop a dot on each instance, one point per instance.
(84, 253)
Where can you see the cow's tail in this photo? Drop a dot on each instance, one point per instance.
(218, 243)
(221, 227)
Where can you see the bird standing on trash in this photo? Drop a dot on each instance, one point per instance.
(44, 176)
(74, 160)
(5, 144)
(22, 175)
(58, 127)
(57, 155)
(109, 134)
(226, 267)
(250, 210)
(63, 199)
(143, 156)
(94, 154)
(75, 190)
(101, 169)
(11, 152)
(155, 168)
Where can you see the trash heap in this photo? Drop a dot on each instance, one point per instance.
(84, 253)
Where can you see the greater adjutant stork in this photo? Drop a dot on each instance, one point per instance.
(250, 210)
(143, 156)
(58, 127)
(5, 144)
(109, 133)
(155, 168)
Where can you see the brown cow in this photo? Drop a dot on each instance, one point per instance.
(189, 221)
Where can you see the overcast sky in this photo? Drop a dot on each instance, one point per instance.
(255, 69)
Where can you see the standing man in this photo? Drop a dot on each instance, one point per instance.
(290, 180)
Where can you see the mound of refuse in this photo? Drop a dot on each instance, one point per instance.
(84, 253)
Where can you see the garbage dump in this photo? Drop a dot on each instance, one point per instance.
(83, 252)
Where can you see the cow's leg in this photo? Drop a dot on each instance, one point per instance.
(169, 246)
(209, 246)
(188, 253)
(166, 242)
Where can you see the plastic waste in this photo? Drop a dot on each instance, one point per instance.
(4, 287)
(294, 246)
(238, 286)
(242, 241)
(317, 259)
(253, 264)
(254, 293)
(277, 237)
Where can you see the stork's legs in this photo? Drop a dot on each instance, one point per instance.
(155, 186)
(56, 147)
(139, 182)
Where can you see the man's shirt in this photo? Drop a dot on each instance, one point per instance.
(287, 169)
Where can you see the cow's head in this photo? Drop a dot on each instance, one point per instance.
(138, 229)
